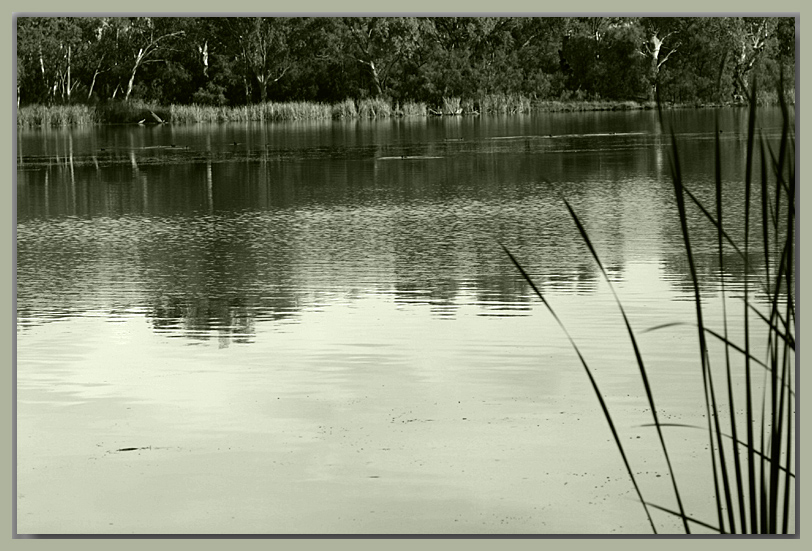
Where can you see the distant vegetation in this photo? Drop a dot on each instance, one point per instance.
(273, 68)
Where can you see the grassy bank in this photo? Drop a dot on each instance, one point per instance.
(135, 112)
(79, 115)
(35, 116)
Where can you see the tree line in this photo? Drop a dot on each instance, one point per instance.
(246, 60)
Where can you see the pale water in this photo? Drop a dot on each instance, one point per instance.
(312, 327)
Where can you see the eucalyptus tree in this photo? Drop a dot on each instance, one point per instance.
(33, 48)
(474, 55)
(625, 71)
(448, 65)
(143, 40)
(700, 69)
(494, 49)
(600, 57)
(663, 37)
(101, 52)
(48, 52)
(382, 45)
(538, 43)
(323, 71)
(117, 48)
(267, 48)
(750, 37)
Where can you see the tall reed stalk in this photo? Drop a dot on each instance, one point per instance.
(753, 480)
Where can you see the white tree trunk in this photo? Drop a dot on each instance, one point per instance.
(92, 84)
(130, 85)
(69, 86)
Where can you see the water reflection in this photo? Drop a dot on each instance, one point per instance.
(212, 228)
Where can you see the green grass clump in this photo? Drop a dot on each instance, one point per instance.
(451, 106)
(33, 116)
(374, 108)
(504, 104)
(294, 111)
(133, 112)
(751, 446)
(344, 110)
(413, 109)
(136, 111)
(111, 112)
(567, 106)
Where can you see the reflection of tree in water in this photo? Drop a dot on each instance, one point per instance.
(705, 245)
(231, 319)
(251, 234)
(424, 272)
(219, 277)
(502, 293)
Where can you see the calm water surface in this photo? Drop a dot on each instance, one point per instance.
(312, 328)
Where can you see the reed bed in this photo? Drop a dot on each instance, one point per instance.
(134, 112)
(119, 112)
(345, 110)
(589, 105)
(57, 115)
(374, 108)
(141, 112)
(504, 104)
(184, 114)
(413, 109)
(451, 106)
(751, 438)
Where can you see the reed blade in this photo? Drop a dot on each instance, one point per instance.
(739, 443)
(775, 445)
(710, 405)
(783, 335)
(731, 404)
(592, 382)
(663, 326)
(637, 354)
(751, 460)
(687, 518)
(787, 484)
(743, 352)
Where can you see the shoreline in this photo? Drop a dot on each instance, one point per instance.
(143, 113)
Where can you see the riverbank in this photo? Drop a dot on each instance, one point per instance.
(139, 112)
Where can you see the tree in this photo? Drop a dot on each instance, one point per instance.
(141, 40)
(46, 49)
(220, 60)
(381, 44)
(658, 31)
(267, 47)
(750, 36)
(539, 41)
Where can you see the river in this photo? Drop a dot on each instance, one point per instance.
(311, 327)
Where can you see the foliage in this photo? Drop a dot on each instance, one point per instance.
(238, 61)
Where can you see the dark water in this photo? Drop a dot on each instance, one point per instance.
(290, 283)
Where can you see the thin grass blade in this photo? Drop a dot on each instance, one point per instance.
(710, 405)
(786, 337)
(751, 461)
(739, 443)
(637, 354)
(787, 485)
(592, 381)
(687, 518)
(731, 404)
